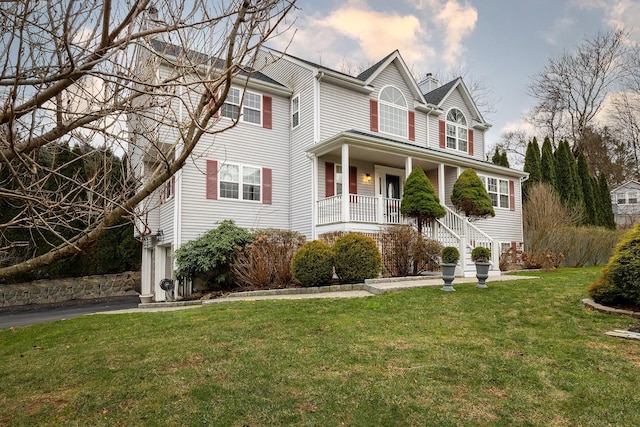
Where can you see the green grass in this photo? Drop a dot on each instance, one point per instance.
(519, 353)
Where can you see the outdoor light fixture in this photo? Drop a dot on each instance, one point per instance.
(367, 177)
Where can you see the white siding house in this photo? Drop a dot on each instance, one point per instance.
(319, 135)
(625, 201)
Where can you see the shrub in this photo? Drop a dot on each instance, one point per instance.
(210, 256)
(470, 197)
(356, 258)
(480, 254)
(312, 264)
(450, 255)
(419, 199)
(619, 282)
(406, 252)
(266, 262)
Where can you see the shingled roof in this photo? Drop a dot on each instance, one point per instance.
(201, 58)
(435, 96)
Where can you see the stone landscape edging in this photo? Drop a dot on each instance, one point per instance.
(588, 302)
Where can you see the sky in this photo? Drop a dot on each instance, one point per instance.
(501, 43)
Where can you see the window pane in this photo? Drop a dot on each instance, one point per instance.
(252, 100)
(230, 111)
(492, 185)
(251, 175)
(229, 173)
(229, 190)
(250, 192)
(234, 96)
(494, 199)
(295, 121)
(251, 116)
(504, 187)
(504, 201)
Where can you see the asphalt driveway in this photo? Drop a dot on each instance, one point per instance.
(31, 314)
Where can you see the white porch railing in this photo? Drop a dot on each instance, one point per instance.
(451, 230)
(368, 209)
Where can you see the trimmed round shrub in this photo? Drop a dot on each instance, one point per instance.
(619, 282)
(356, 258)
(480, 254)
(312, 264)
(450, 255)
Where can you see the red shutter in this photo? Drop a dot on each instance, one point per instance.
(173, 186)
(328, 179)
(373, 115)
(266, 112)
(266, 186)
(514, 245)
(442, 127)
(353, 180)
(412, 126)
(512, 196)
(471, 142)
(212, 179)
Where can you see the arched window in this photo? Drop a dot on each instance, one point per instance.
(457, 131)
(393, 112)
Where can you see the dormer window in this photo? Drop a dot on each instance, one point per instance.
(393, 113)
(457, 131)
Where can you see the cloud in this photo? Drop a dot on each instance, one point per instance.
(618, 14)
(459, 21)
(358, 35)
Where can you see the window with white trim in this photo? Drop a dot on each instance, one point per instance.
(240, 182)
(632, 197)
(393, 113)
(251, 106)
(337, 179)
(457, 131)
(295, 111)
(498, 190)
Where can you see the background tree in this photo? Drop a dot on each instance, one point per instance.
(590, 215)
(531, 165)
(82, 67)
(504, 160)
(496, 158)
(606, 210)
(419, 200)
(470, 197)
(572, 88)
(547, 164)
(567, 184)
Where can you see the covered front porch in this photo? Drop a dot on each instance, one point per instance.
(360, 181)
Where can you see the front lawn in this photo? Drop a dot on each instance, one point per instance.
(519, 353)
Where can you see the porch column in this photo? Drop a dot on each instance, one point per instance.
(408, 167)
(146, 285)
(314, 196)
(160, 259)
(441, 184)
(345, 183)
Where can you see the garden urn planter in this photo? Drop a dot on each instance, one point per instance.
(146, 298)
(482, 272)
(448, 274)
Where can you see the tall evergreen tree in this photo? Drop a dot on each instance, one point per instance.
(547, 164)
(504, 160)
(605, 202)
(531, 165)
(567, 183)
(590, 216)
(496, 156)
(420, 200)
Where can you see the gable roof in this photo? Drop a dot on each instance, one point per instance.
(627, 183)
(439, 95)
(371, 70)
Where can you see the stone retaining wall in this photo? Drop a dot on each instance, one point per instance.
(58, 290)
